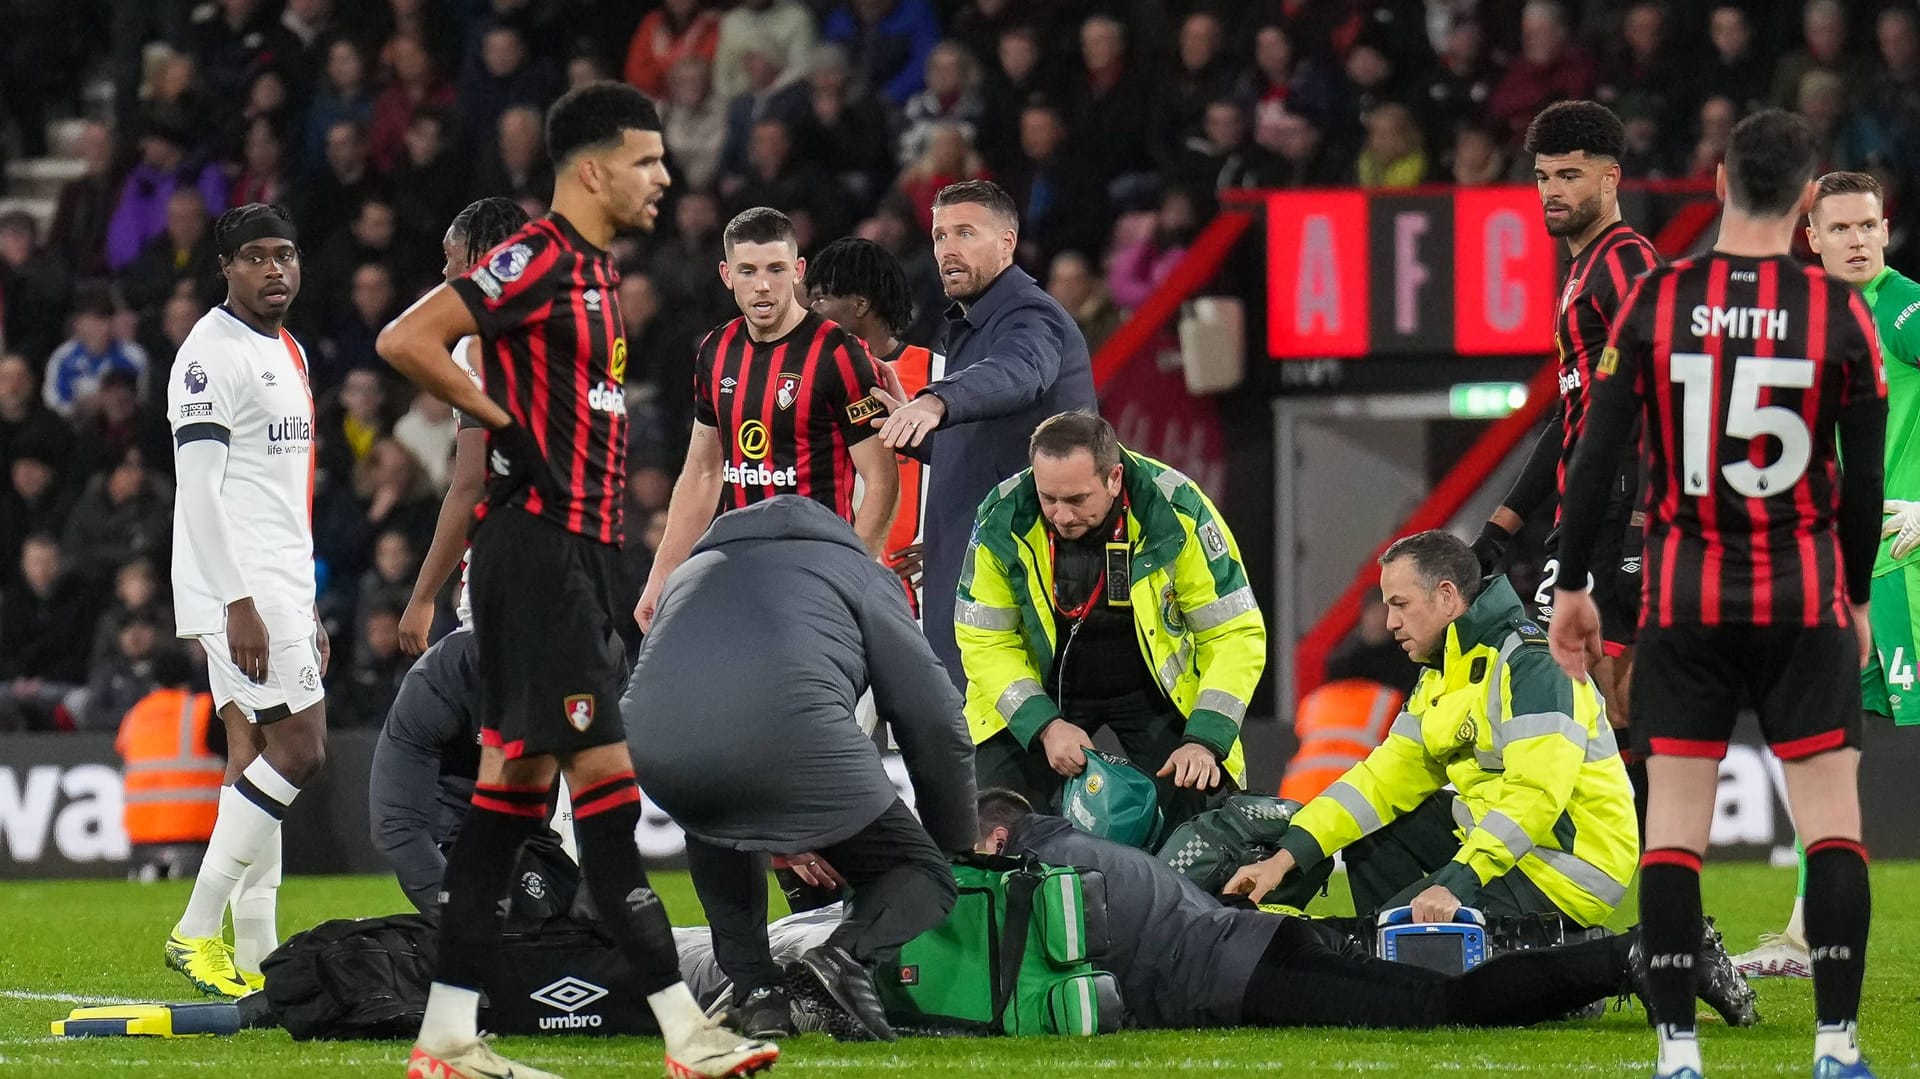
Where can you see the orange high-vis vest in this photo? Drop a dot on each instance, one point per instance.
(916, 367)
(173, 782)
(1338, 725)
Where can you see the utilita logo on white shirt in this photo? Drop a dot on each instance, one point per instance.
(293, 434)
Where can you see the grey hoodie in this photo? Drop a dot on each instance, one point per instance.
(740, 712)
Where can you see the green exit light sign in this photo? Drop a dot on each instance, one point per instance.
(1485, 400)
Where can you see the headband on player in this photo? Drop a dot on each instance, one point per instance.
(263, 227)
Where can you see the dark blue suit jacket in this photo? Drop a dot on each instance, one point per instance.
(1014, 357)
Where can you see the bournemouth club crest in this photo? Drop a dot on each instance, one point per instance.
(789, 391)
(580, 710)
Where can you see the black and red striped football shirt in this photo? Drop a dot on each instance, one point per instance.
(1598, 280)
(554, 356)
(1751, 374)
(787, 410)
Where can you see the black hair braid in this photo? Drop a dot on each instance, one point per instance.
(486, 223)
(856, 267)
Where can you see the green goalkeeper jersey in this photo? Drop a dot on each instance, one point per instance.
(1894, 300)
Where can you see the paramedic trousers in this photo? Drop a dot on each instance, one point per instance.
(1305, 979)
(899, 878)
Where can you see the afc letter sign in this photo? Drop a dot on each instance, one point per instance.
(1353, 273)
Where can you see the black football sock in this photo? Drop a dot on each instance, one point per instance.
(605, 816)
(498, 824)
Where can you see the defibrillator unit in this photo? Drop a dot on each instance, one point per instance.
(1449, 947)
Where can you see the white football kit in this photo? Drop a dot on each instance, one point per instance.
(236, 386)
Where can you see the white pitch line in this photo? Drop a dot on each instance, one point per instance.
(67, 998)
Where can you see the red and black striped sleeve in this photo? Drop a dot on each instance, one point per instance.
(1619, 268)
(1613, 401)
(854, 377)
(705, 409)
(516, 281)
(1863, 433)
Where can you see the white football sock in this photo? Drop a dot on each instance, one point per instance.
(256, 932)
(452, 1019)
(678, 1014)
(1839, 1042)
(1678, 1049)
(250, 813)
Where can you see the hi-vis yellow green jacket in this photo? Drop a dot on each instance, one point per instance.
(1194, 614)
(1540, 783)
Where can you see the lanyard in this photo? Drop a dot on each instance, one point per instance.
(1117, 567)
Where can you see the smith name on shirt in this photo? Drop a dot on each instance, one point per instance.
(1754, 322)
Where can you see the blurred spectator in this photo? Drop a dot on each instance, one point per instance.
(374, 235)
(1223, 154)
(173, 96)
(117, 683)
(124, 513)
(109, 428)
(417, 85)
(1550, 67)
(134, 23)
(1823, 31)
(768, 97)
(1284, 80)
(335, 193)
(390, 481)
(835, 123)
(519, 168)
(1894, 97)
(136, 590)
(265, 173)
(311, 25)
(371, 304)
(1735, 70)
(34, 286)
(504, 75)
(430, 183)
(1071, 280)
(980, 25)
(1108, 103)
(1061, 200)
(79, 234)
(776, 178)
(587, 66)
(694, 123)
(73, 372)
(779, 31)
(1847, 140)
(232, 40)
(949, 157)
(1394, 154)
(365, 691)
(388, 580)
(345, 92)
(182, 255)
(36, 500)
(1649, 155)
(164, 167)
(269, 99)
(427, 429)
(1458, 86)
(661, 341)
(47, 625)
(25, 420)
(889, 42)
(1139, 267)
(1018, 78)
(1478, 157)
(1371, 653)
(1301, 146)
(951, 97)
(1202, 73)
(670, 33)
(685, 265)
(353, 423)
(1717, 117)
(1644, 65)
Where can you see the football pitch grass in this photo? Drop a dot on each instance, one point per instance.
(78, 942)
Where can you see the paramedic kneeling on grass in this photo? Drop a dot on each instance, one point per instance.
(1101, 589)
(1543, 820)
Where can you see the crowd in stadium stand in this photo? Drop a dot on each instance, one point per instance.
(1115, 126)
